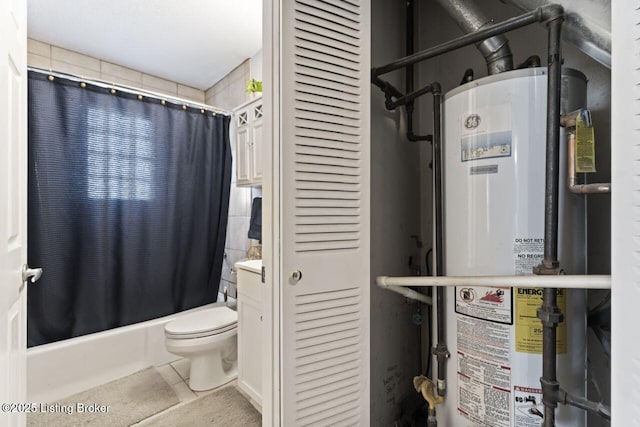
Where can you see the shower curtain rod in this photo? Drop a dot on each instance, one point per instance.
(132, 90)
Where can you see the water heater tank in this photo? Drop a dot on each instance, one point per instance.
(494, 166)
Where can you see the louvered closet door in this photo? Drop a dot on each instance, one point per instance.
(325, 182)
(625, 212)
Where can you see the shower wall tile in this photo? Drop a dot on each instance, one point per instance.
(193, 94)
(39, 48)
(65, 67)
(119, 73)
(75, 58)
(119, 81)
(240, 201)
(237, 229)
(230, 92)
(43, 55)
(38, 61)
(156, 84)
(233, 256)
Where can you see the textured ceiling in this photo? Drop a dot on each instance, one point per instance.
(193, 42)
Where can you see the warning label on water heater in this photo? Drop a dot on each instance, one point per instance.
(484, 371)
(527, 253)
(484, 340)
(527, 408)
(486, 303)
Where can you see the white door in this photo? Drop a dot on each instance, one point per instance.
(625, 211)
(13, 206)
(324, 248)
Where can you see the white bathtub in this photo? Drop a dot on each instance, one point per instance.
(63, 368)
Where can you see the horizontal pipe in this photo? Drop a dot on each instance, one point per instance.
(551, 281)
(410, 97)
(572, 175)
(409, 293)
(514, 23)
(597, 408)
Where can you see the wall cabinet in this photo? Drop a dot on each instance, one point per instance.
(250, 352)
(248, 132)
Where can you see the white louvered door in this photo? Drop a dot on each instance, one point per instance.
(625, 212)
(325, 85)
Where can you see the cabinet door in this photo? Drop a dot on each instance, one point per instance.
(250, 348)
(256, 152)
(243, 164)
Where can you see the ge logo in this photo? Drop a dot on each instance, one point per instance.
(472, 122)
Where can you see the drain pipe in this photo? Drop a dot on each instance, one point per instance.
(470, 19)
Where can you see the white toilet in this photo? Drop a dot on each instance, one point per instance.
(208, 338)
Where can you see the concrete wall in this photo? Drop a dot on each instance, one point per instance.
(395, 216)
(46, 56)
(433, 26)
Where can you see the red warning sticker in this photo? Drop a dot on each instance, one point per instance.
(484, 302)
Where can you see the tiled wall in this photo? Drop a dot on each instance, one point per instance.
(229, 93)
(43, 55)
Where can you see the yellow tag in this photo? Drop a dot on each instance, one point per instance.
(585, 144)
(529, 327)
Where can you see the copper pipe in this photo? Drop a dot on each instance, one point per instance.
(572, 175)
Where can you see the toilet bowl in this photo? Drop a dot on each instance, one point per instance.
(208, 338)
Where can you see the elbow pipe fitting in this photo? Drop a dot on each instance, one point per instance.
(550, 12)
(470, 18)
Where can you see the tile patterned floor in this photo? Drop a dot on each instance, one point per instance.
(176, 374)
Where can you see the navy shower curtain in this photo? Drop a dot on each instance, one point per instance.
(128, 202)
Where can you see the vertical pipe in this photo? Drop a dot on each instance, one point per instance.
(549, 313)
(548, 380)
(409, 47)
(552, 176)
(440, 350)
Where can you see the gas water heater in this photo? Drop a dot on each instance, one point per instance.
(494, 178)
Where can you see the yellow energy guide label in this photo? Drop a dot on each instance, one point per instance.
(529, 327)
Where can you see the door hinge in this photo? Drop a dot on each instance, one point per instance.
(263, 274)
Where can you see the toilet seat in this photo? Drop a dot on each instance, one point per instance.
(202, 323)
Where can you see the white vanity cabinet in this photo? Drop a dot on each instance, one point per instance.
(248, 133)
(250, 345)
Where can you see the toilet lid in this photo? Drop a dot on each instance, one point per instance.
(207, 320)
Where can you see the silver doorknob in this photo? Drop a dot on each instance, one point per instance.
(296, 275)
(31, 273)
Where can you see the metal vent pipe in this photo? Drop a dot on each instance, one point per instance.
(469, 18)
